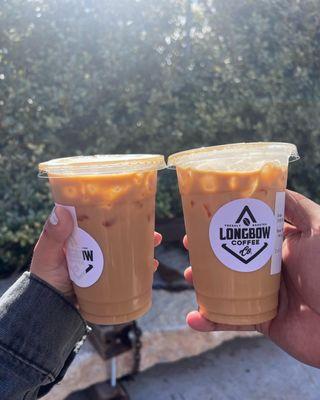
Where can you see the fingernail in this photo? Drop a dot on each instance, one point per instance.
(53, 217)
(155, 264)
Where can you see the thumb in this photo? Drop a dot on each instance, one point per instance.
(57, 229)
(301, 212)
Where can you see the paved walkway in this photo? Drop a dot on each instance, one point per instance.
(242, 369)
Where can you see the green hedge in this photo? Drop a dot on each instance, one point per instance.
(109, 76)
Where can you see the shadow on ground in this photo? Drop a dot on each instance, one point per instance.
(242, 369)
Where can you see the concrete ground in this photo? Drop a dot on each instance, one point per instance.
(241, 369)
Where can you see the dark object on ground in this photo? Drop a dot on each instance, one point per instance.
(173, 259)
(100, 391)
(172, 229)
(111, 341)
(172, 256)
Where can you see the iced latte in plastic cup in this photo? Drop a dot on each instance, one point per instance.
(233, 203)
(110, 253)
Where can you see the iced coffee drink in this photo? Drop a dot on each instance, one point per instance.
(110, 253)
(233, 203)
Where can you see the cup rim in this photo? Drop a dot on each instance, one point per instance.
(231, 150)
(101, 164)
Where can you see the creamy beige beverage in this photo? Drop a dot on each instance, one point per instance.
(233, 204)
(110, 253)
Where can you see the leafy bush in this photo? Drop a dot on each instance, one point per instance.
(80, 77)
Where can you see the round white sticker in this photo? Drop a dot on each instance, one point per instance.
(242, 234)
(84, 257)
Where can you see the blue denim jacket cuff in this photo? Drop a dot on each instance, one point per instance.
(39, 326)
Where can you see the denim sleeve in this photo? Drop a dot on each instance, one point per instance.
(40, 333)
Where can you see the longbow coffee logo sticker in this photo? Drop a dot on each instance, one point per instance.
(242, 234)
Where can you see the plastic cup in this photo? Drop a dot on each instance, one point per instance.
(233, 202)
(110, 252)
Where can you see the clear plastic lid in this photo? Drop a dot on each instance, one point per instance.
(101, 165)
(235, 157)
